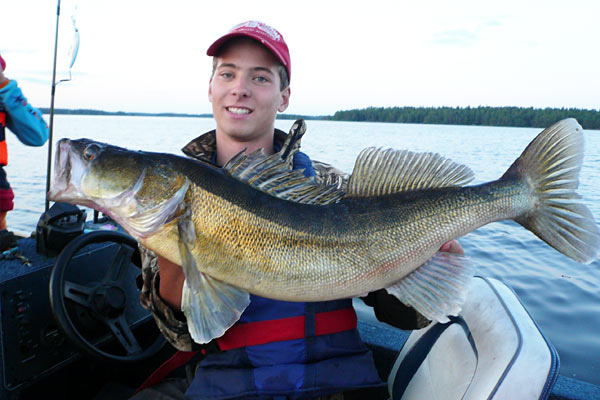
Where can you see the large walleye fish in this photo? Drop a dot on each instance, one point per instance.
(256, 227)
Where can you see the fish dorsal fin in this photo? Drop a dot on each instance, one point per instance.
(271, 175)
(380, 171)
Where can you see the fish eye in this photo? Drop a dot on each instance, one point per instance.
(91, 151)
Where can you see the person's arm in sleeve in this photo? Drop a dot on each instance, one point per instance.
(169, 319)
(24, 120)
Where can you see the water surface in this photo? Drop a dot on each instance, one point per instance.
(562, 296)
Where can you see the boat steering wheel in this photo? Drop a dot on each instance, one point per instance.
(110, 300)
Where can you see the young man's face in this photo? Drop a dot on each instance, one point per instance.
(245, 91)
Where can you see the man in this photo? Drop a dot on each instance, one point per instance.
(258, 357)
(25, 122)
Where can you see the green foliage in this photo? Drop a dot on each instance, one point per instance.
(490, 116)
(83, 111)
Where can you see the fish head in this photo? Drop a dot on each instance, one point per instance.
(89, 173)
(139, 190)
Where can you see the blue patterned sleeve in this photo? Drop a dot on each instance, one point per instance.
(24, 120)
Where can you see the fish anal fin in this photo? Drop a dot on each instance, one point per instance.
(380, 171)
(437, 288)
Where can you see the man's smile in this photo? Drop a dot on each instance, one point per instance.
(238, 110)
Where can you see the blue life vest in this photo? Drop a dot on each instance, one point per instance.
(314, 363)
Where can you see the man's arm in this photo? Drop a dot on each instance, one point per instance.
(24, 120)
(171, 282)
(169, 319)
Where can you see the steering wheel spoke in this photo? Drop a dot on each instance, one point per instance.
(79, 294)
(121, 330)
(117, 271)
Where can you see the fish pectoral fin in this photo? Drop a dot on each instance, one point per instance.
(212, 308)
(186, 228)
(209, 305)
(437, 288)
(187, 236)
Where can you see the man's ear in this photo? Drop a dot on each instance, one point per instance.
(285, 99)
(210, 90)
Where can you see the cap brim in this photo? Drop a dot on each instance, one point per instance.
(214, 48)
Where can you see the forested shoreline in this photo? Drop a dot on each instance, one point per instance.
(487, 116)
(484, 116)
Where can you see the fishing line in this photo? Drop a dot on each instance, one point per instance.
(74, 50)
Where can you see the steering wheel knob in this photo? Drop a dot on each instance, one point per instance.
(109, 301)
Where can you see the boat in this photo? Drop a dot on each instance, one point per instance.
(72, 327)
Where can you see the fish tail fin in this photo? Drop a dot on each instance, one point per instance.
(550, 165)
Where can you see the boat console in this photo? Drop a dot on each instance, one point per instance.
(56, 311)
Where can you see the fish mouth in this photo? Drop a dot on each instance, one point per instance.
(68, 170)
(62, 170)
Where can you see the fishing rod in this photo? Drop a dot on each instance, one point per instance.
(51, 125)
(74, 50)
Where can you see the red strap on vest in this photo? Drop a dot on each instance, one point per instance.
(261, 332)
(177, 360)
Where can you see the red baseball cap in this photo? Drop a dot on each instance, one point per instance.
(2, 63)
(266, 35)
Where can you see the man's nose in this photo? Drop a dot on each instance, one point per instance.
(241, 88)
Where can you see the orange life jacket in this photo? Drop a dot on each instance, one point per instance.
(3, 150)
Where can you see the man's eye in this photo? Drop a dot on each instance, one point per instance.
(227, 75)
(261, 79)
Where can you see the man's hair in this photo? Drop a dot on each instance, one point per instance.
(284, 78)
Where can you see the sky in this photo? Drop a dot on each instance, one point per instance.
(150, 56)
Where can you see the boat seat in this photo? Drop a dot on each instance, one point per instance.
(492, 350)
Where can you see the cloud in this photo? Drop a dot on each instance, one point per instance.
(459, 37)
(35, 80)
(464, 37)
(18, 51)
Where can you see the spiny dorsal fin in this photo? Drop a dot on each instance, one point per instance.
(271, 175)
(385, 171)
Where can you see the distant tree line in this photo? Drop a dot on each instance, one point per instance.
(84, 111)
(490, 116)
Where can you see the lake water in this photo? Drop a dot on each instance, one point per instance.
(561, 295)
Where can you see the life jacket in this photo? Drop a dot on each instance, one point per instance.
(3, 150)
(291, 349)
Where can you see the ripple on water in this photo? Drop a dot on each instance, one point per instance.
(562, 296)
